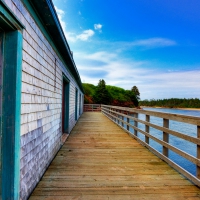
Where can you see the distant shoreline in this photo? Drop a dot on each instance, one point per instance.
(197, 109)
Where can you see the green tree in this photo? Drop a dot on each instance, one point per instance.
(88, 89)
(136, 92)
(172, 103)
(132, 97)
(101, 94)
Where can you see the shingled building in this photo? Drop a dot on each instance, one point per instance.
(41, 95)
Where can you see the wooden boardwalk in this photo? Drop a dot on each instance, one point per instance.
(99, 161)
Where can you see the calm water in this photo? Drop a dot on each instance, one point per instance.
(184, 128)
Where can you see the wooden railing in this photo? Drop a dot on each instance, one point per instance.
(92, 108)
(127, 119)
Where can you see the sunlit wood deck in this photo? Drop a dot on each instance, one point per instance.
(100, 161)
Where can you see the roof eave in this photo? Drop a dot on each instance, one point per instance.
(47, 13)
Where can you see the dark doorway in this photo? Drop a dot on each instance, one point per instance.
(80, 104)
(65, 106)
(76, 104)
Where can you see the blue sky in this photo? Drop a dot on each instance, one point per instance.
(152, 44)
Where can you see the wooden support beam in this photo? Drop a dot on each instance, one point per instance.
(122, 119)
(147, 129)
(198, 152)
(165, 137)
(135, 123)
(127, 119)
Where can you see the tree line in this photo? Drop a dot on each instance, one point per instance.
(110, 95)
(172, 103)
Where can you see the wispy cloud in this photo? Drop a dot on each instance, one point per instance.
(138, 45)
(154, 42)
(60, 12)
(84, 36)
(98, 27)
(152, 83)
(109, 64)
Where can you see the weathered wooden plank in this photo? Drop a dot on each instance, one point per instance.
(140, 192)
(132, 183)
(115, 178)
(119, 197)
(111, 171)
(103, 162)
(112, 190)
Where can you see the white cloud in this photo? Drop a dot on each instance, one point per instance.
(60, 12)
(152, 83)
(68, 35)
(115, 70)
(84, 36)
(149, 43)
(98, 27)
(100, 56)
(136, 45)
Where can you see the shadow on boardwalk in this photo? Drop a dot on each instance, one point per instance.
(100, 161)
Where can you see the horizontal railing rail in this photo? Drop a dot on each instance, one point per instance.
(129, 120)
(92, 108)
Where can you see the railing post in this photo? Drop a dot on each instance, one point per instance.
(117, 116)
(147, 129)
(122, 119)
(127, 119)
(198, 152)
(135, 123)
(165, 137)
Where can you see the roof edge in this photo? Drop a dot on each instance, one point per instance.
(51, 22)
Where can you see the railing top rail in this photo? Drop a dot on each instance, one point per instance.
(92, 104)
(92, 108)
(177, 117)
